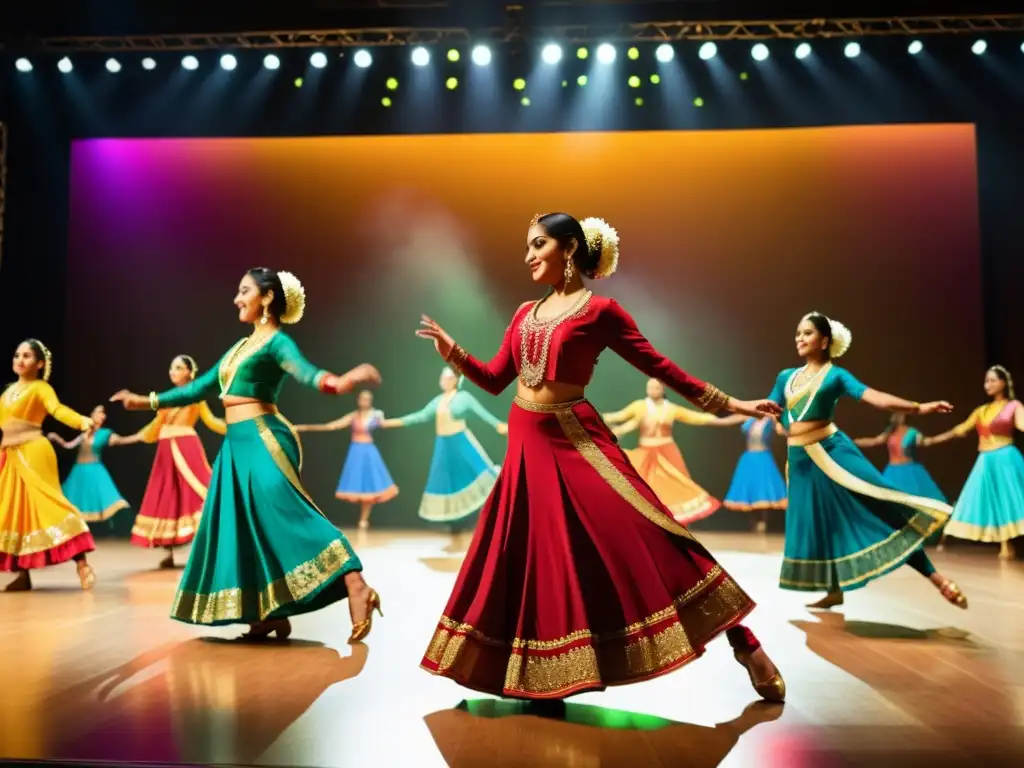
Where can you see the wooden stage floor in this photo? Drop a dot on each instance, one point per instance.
(895, 677)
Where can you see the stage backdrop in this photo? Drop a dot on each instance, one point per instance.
(728, 238)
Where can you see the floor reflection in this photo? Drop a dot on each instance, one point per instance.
(204, 700)
(506, 733)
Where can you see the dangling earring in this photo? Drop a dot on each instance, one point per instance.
(266, 314)
(568, 271)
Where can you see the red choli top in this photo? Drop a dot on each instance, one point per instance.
(565, 349)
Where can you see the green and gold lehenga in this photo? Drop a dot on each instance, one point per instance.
(263, 549)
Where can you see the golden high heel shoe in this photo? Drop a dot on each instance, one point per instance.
(773, 689)
(362, 628)
(952, 593)
(86, 575)
(831, 600)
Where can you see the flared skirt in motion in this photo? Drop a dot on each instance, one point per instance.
(38, 525)
(578, 577)
(91, 489)
(756, 485)
(263, 550)
(173, 502)
(845, 525)
(663, 469)
(365, 478)
(460, 479)
(991, 504)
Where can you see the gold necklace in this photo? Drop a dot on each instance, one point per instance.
(15, 392)
(535, 340)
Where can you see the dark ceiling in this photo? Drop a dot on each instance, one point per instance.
(21, 19)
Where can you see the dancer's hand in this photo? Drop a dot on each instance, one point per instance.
(502, 428)
(938, 406)
(443, 343)
(755, 408)
(363, 375)
(390, 423)
(130, 400)
(88, 426)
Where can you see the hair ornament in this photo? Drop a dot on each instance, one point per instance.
(602, 240)
(842, 337)
(1009, 380)
(47, 359)
(294, 298)
(192, 364)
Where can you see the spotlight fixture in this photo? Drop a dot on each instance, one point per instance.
(581, 80)
(452, 83)
(420, 56)
(519, 84)
(454, 55)
(707, 51)
(113, 66)
(633, 53)
(582, 53)
(851, 50)
(633, 82)
(271, 61)
(802, 51)
(525, 101)
(664, 53)
(391, 83)
(481, 55)
(606, 53)
(190, 62)
(385, 102)
(318, 59)
(760, 52)
(23, 65)
(64, 65)
(551, 54)
(915, 47)
(362, 58)
(228, 62)
(979, 47)
(655, 78)
(149, 63)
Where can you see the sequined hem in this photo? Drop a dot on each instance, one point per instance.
(446, 508)
(106, 514)
(236, 605)
(585, 660)
(21, 543)
(987, 534)
(757, 506)
(378, 497)
(156, 532)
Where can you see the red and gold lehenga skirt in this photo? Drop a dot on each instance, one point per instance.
(38, 525)
(578, 577)
(660, 463)
(173, 503)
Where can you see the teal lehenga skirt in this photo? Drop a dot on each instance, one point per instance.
(263, 549)
(846, 525)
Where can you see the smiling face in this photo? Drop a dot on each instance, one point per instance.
(249, 301)
(810, 343)
(26, 364)
(655, 389)
(994, 385)
(545, 258)
(180, 373)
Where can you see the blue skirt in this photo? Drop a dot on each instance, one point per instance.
(91, 489)
(365, 478)
(460, 480)
(991, 504)
(914, 479)
(756, 485)
(846, 526)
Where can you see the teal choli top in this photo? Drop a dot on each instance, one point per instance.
(100, 441)
(816, 399)
(459, 407)
(251, 368)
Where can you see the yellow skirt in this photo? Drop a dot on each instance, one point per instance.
(38, 526)
(662, 467)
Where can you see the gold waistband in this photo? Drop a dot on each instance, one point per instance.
(18, 432)
(175, 430)
(993, 443)
(245, 411)
(653, 442)
(529, 405)
(812, 437)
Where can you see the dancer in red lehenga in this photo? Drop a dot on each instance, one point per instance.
(578, 577)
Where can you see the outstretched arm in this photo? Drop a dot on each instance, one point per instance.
(963, 429)
(212, 422)
(55, 438)
(343, 423)
(624, 338)
(491, 377)
(478, 409)
(61, 412)
(872, 442)
(288, 355)
(422, 416)
(694, 419)
(116, 439)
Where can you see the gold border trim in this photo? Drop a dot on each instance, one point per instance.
(529, 405)
(106, 514)
(812, 437)
(280, 458)
(587, 448)
(181, 464)
(986, 534)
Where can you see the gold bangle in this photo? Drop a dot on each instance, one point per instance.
(154, 402)
(456, 357)
(712, 399)
(917, 407)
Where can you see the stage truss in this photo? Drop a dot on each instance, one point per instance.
(655, 31)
